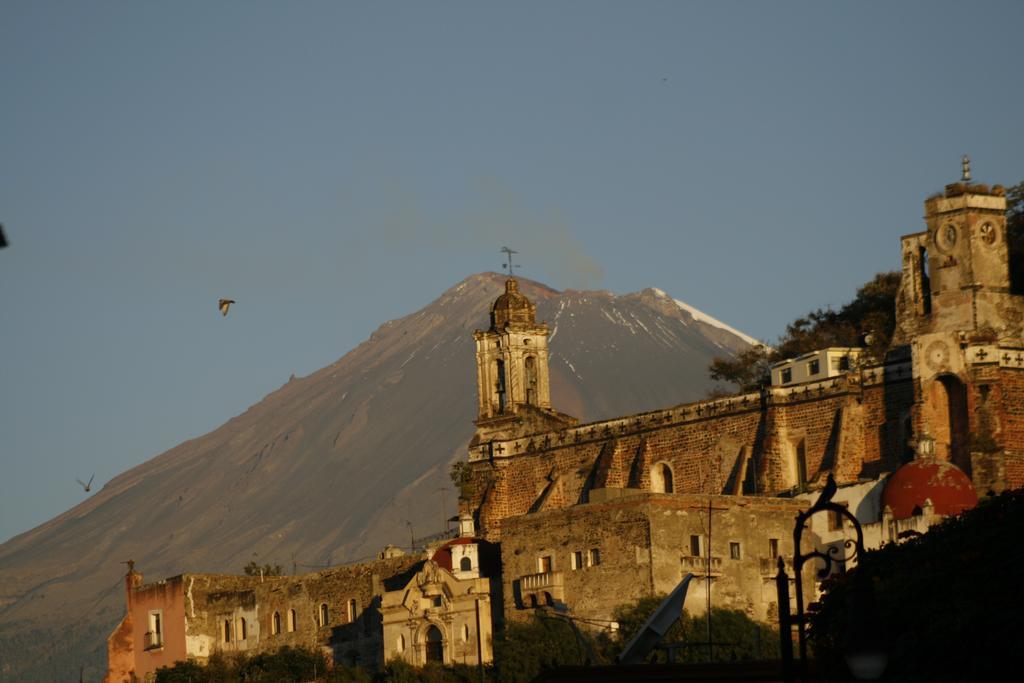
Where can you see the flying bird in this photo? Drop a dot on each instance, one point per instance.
(85, 486)
(224, 305)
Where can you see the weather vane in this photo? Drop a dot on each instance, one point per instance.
(510, 266)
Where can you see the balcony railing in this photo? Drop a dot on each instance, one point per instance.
(153, 640)
(698, 566)
(542, 581)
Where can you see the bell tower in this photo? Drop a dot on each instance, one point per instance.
(513, 385)
(512, 357)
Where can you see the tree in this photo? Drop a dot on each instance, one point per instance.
(869, 320)
(946, 606)
(525, 649)
(253, 569)
(741, 638)
(1015, 235)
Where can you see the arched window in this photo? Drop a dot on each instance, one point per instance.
(499, 384)
(353, 610)
(466, 564)
(465, 632)
(226, 631)
(661, 478)
(291, 620)
(275, 624)
(401, 643)
(435, 645)
(242, 632)
(324, 614)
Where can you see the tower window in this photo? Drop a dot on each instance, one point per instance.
(275, 624)
(243, 633)
(291, 620)
(353, 610)
(466, 564)
(695, 546)
(226, 631)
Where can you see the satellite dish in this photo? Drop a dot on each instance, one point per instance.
(657, 625)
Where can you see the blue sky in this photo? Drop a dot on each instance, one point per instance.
(334, 165)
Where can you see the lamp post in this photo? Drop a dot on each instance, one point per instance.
(863, 650)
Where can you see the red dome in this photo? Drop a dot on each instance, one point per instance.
(945, 484)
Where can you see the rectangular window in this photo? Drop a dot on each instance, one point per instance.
(544, 564)
(595, 557)
(834, 364)
(576, 560)
(786, 375)
(734, 550)
(154, 636)
(695, 546)
(773, 548)
(813, 367)
(844, 363)
(835, 519)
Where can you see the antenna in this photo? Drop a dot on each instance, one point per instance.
(509, 265)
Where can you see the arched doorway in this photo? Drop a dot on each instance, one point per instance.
(435, 645)
(661, 478)
(946, 421)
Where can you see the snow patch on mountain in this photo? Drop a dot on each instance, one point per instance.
(705, 318)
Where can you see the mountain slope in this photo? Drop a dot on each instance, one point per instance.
(332, 466)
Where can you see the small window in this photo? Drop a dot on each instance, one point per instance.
(813, 367)
(324, 615)
(576, 560)
(401, 643)
(154, 637)
(438, 602)
(465, 632)
(275, 624)
(526, 341)
(835, 520)
(734, 550)
(243, 632)
(773, 548)
(544, 564)
(695, 546)
(353, 610)
(595, 557)
(466, 564)
(786, 375)
(226, 631)
(844, 363)
(291, 620)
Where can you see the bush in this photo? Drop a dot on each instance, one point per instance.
(945, 604)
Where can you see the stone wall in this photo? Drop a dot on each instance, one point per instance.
(643, 544)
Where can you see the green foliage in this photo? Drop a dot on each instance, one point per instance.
(1015, 235)
(253, 569)
(946, 603)
(740, 637)
(872, 311)
(525, 649)
(460, 474)
(288, 664)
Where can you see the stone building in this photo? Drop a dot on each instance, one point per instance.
(946, 404)
(192, 616)
(591, 516)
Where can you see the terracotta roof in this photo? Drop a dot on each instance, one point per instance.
(945, 484)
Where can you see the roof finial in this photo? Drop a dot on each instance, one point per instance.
(965, 164)
(511, 267)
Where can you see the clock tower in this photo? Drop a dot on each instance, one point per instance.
(956, 312)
